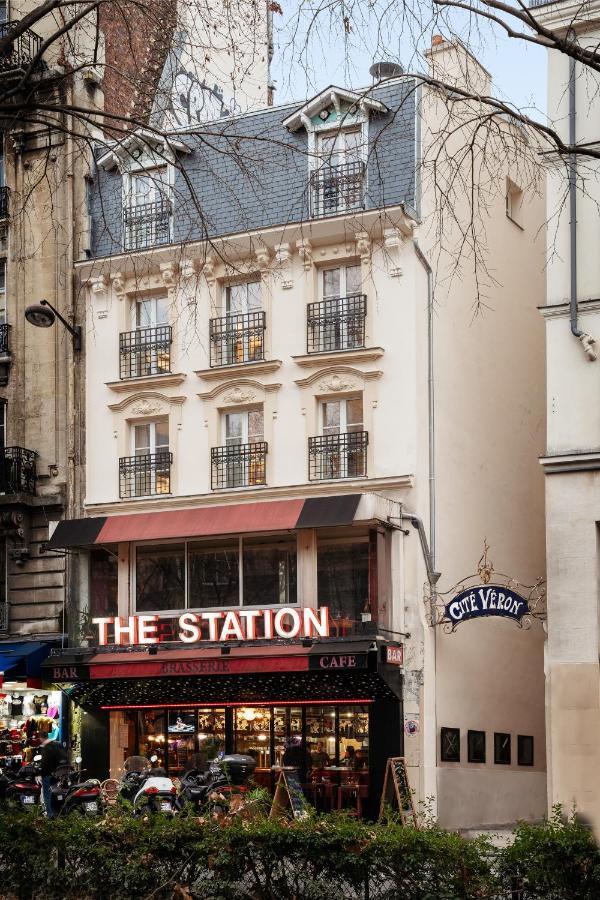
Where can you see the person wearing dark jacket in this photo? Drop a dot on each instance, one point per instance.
(52, 757)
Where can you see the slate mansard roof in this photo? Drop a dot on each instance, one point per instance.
(250, 172)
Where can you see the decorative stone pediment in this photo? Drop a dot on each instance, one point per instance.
(146, 403)
(239, 392)
(338, 379)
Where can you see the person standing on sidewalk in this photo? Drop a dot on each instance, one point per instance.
(52, 757)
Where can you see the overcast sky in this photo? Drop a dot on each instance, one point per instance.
(518, 69)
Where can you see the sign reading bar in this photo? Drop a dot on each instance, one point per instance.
(236, 625)
(486, 600)
(394, 655)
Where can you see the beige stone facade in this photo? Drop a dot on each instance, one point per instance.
(572, 456)
(488, 676)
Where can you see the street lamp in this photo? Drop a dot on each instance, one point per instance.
(42, 315)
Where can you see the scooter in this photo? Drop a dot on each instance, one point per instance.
(147, 787)
(72, 794)
(157, 793)
(25, 790)
(225, 776)
(134, 773)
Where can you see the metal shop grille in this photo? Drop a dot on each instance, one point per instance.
(337, 189)
(338, 455)
(4, 338)
(336, 324)
(147, 224)
(18, 471)
(4, 202)
(237, 339)
(146, 351)
(144, 476)
(239, 465)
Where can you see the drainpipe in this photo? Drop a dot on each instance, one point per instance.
(587, 341)
(430, 556)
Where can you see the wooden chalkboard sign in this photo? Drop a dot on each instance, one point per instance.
(396, 792)
(288, 797)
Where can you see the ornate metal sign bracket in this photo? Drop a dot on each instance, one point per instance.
(479, 596)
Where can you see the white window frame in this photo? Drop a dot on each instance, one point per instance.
(152, 425)
(343, 401)
(154, 323)
(246, 308)
(245, 424)
(145, 164)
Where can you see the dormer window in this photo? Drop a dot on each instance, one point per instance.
(148, 209)
(337, 126)
(147, 164)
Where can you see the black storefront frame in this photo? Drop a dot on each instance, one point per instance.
(229, 720)
(386, 737)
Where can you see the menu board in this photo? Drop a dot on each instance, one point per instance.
(288, 797)
(396, 794)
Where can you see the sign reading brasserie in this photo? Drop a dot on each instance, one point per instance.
(486, 600)
(214, 626)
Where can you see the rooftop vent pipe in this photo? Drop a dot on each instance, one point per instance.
(381, 70)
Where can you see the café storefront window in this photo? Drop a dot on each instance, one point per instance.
(328, 744)
(182, 738)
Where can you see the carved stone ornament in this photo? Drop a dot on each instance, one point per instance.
(168, 273)
(118, 283)
(208, 268)
(147, 407)
(263, 258)
(392, 242)
(337, 383)
(283, 258)
(305, 251)
(239, 395)
(99, 285)
(363, 245)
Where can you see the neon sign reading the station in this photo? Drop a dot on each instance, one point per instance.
(237, 625)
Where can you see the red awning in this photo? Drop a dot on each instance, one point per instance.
(233, 518)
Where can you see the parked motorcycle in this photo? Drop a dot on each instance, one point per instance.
(147, 787)
(24, 791)
(72, 793)
(204, 790)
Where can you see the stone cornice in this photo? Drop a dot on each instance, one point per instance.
(218, 498)
(562, 310)
(337, 357)
(573, 461)
(241, 370)
(128, 385)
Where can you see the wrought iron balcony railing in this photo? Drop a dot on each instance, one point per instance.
(145, 351)
(23, 50)
(338, 455)
(336, 324)
(147, 224)
(4, 339)
(237, 339)
(4, 202)
(18, 471)
(337, 189)
(239, 465)
(145, 476)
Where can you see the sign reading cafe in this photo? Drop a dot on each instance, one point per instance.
(238, 625)
(486, 600)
